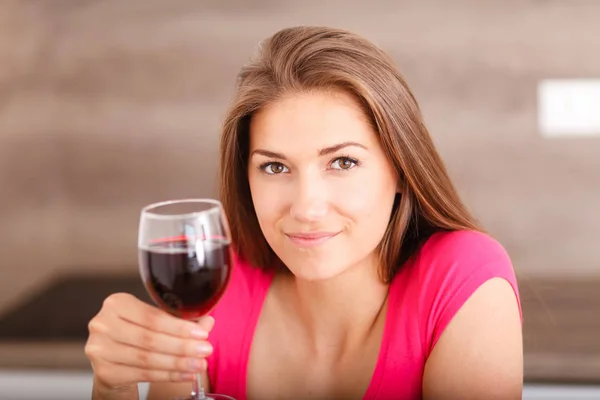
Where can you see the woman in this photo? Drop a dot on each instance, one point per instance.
(359, 272)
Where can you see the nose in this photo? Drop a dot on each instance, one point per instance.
(309, 202)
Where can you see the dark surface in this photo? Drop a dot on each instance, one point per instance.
(61, 311)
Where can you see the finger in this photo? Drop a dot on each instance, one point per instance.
(130, 334)
(117, 374)
(206, 322)
(119, 353)
(134, 310)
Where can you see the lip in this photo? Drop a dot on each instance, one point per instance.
(310, 239)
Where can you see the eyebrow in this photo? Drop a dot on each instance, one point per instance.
(323, 152)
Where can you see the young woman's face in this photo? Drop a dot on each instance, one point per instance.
(322, 187)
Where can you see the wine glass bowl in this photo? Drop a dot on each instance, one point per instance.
(185, 260)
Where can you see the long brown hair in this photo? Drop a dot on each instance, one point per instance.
(321, 58)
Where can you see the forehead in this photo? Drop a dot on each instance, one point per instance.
(311, 120)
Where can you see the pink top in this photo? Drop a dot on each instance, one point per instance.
(423, 297)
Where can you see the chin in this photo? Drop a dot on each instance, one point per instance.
(315, 271)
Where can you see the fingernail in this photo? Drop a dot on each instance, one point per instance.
(198, 333)
(204, 348)
(211, 322)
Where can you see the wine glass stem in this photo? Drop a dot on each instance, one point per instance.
(198, 389)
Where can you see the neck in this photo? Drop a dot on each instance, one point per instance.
(340, 313)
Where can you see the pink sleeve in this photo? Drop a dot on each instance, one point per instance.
(230, 322)
(453, 265)
(235, 318)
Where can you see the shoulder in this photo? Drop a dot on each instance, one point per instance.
(465, 247)
(473, 319)
(448, 259)
(448, 270)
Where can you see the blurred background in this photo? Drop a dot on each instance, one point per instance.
(108, 106)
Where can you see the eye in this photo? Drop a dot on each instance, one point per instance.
(344, 163)
(273, 168)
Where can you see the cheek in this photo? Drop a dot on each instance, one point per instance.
(368, 199)
(368, 207)
(267, 204)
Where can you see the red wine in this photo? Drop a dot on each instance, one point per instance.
(186, 277)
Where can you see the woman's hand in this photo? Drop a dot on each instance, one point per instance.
(130, 342)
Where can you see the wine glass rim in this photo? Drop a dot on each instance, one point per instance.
(148, 213)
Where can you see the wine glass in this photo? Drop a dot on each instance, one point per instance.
(185, 261)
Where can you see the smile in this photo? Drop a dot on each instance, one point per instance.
(310, 239)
